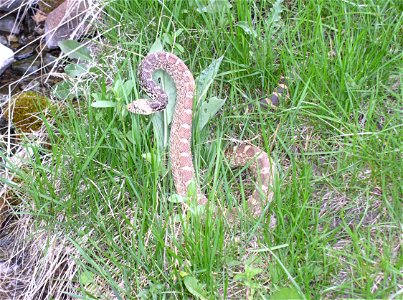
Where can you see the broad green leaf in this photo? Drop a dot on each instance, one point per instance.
(276, 11)
(183, 274)
(249, 273)
(161, 120)
(143, 294)
(192, 188)
(157, 46)
(123, 89)
(97, 96)
(241, 277)
(231, 262)
(167, 38)
(172, 40)
(178, 32)
(147, 156)
(273, 21)
(246, 28)
(86, 277)
(175, 198)
(214, 6)
(208, 110)
(285, 293)
(74, 70)
(62, 90)
(159, 132)
(179, 48)
(102, 104)
(252, 272)
(117, 85)
(128, 87)
(153, 292)
(74, 49)
(198, 209)
(169, 87)
(129, 136)
(195, 288)
(205, 79)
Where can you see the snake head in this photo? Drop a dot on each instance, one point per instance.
(144, 107)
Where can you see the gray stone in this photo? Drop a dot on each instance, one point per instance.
(65, 22)
(49, 60)
(3, 40)
(9, 5)
(6, 58)
(23, 39)
(3, 98)
(26, 66)
(9, 24)
(24, 52)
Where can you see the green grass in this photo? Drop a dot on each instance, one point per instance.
(336, 141)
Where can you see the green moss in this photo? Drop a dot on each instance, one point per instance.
(26, 109)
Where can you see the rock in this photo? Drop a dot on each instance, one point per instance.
(25, 67)
(3, 40)
(9, 5)
(23, 40)
(25, 52)
(49, 60)
(3, 98)
(6, 58)
(9, 24)
(57, 30)
(33, 85)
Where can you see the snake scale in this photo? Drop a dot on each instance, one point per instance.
(181, 131)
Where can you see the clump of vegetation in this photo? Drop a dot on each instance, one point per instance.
(104, 185)
(26, 109)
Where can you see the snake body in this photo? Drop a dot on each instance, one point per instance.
(181, 131)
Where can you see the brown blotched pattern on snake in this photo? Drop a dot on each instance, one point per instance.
(181, 130)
